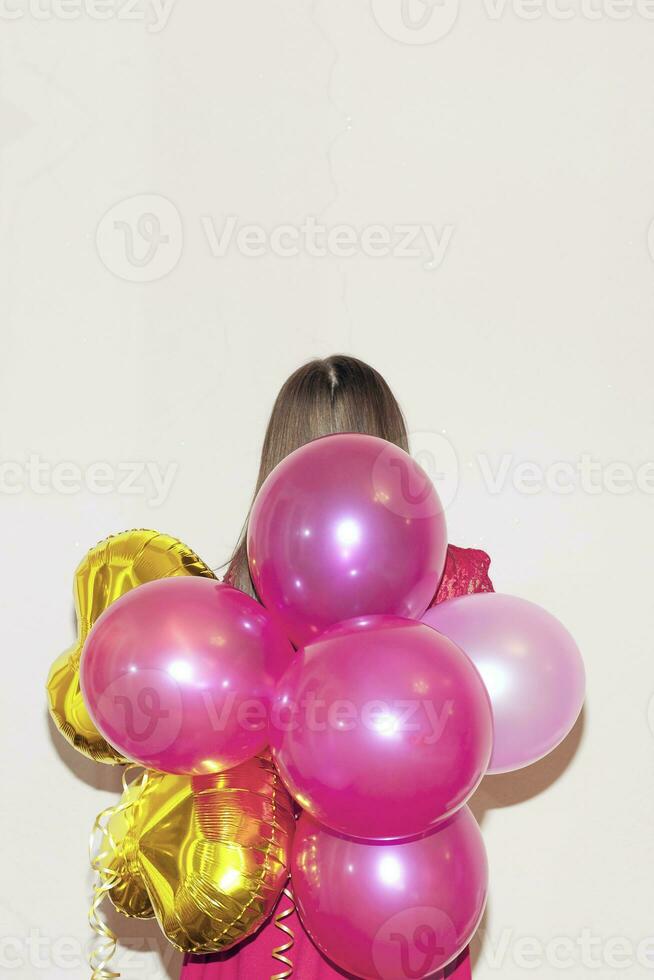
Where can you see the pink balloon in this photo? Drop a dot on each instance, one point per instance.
(391, 911)
(179, 674)
(381, 728)
(347, 525)
(530, 664)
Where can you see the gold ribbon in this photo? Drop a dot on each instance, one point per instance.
(280, 951)
(207, 856)
(104, 947)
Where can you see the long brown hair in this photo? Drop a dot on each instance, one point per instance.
(335, 394)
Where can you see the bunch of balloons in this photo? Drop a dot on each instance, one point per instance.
(185, 843)
(382, 715)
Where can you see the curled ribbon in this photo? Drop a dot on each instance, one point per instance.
(207, 856)
(104, 946)
(279, 953)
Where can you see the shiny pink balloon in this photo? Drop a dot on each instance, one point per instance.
(346, 525)
(178, 675)
(391, 911)
(530, 664)
(381, 728)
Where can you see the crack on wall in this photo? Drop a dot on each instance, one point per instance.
(329, 157)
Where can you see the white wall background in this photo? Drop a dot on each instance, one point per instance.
(524, 137)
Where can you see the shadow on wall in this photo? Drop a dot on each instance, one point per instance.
(496, 792)
(135, 935)
(95, 774)
(515, 787)
(143, 935)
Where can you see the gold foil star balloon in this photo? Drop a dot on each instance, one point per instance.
(108, 571)
(207, 855)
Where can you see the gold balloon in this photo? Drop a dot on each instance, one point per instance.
(109, 570)
(208, 855)
(128, 894)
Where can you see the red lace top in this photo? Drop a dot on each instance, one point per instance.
(466, 571)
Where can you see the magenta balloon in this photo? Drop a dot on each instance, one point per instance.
(347, 525)
(391, 911)
(530, 664)
(381, 728)
(179, 674)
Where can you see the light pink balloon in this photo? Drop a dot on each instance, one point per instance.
(381, 728)
(347, 525)
(391, 911)
(178, 675)
(531, 667)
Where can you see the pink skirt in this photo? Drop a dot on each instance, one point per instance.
(254, 960)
